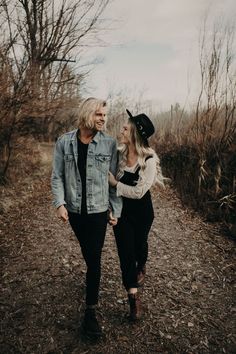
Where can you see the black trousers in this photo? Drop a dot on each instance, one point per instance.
(90, 230)
(131, 234)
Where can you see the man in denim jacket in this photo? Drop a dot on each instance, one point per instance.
(82, 160)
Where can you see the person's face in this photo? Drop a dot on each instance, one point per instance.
(125, 134)
(99, 118)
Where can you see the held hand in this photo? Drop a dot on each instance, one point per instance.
(111, 179)
(112, 221)
(62, 213)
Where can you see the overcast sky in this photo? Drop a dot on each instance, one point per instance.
(153, 48)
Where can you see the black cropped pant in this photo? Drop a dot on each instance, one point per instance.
(90, 230)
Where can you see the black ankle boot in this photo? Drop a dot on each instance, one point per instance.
(90, 323)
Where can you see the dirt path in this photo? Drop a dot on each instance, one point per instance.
(188, 296)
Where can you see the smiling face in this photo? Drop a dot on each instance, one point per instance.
(125, 134)
(99, 118)
(92, 114)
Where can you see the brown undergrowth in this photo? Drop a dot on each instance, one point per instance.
(29, 165)
(188, 297)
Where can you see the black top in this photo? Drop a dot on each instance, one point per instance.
(131, 178)
(82, 161)
(134, 206)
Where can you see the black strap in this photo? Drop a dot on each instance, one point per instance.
(147, 158)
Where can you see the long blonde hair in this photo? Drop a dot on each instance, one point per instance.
(86, 111)
(143, 151)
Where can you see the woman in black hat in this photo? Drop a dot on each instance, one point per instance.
(139, 169)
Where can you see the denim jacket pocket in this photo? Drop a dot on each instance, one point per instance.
(68, 157)
(103, 162)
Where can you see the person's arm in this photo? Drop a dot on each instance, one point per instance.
(114, 200)
(57, 178)
(145, 181)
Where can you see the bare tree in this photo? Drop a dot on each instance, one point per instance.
(199, 148)
(40, 40)
(215, 123)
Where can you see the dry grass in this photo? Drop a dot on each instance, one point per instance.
(202, 165)
(30, 161)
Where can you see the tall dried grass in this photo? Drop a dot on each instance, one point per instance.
(202, 165)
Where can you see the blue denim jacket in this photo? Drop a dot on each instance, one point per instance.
(66, 181)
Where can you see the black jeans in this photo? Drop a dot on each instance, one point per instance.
(90, 230)
(131, 233)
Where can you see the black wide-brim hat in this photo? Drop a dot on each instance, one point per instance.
(144, 125)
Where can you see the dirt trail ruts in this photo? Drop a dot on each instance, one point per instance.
(188, 296)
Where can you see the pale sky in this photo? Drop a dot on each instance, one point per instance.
(153, 48)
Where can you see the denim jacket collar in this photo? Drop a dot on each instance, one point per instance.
(73, 139)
